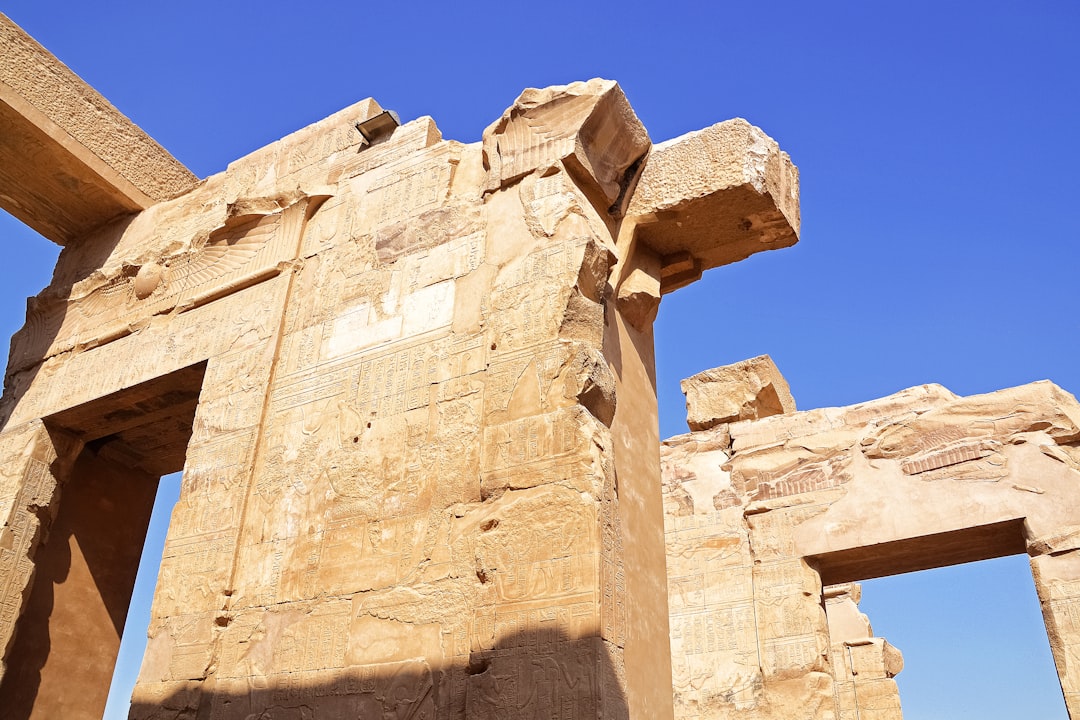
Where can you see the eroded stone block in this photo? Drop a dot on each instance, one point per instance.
(590, 126)
(747, 390)
(713, 197)
(69, 160)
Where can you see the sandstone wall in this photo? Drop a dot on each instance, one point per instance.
(762, 514)
(410, 383)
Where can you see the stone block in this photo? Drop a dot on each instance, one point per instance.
(747, 390)
(713, 197)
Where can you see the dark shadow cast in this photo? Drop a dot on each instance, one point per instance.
(93, 531)
(84, 575)
(528, 676)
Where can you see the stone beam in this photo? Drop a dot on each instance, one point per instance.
(69, 160)
(714, 197)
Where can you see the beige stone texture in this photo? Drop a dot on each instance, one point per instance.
(410, 383)
(746, 390)
(411, 386)
(713, 197)
(862, 665)
(769, 520)
(69, 160)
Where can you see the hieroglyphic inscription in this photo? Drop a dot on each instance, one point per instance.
(243, 318)
(408, 187)
(524, 315)
(537, 439)
(17, 541)
(313, 640)
(385, 381)
(195, 571)
(535, 667)
(516, 372)
(791, 655)
(453, 259)
(613, 607)
(1066, 614)
(716, 629)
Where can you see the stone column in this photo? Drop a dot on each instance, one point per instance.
(1057, 581)
(28, 490)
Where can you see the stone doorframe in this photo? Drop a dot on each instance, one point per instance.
(804, 500)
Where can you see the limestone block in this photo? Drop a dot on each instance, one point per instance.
(251, 240)
(746, 390)
(27, 490)
(246, 318)
(962, 479)
(589, 126)
(836, 427)
(871, 658)
(877, 699)
(968, 428)
(713, 197)
(1057, 582)
(288, 163)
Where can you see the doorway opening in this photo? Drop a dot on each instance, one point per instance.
(133, 641)
(69, 633)
(972, 638)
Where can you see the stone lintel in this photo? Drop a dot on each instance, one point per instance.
(69, 160)
(714, 197)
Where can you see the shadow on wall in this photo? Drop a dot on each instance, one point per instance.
(535, 674)
(80, 591)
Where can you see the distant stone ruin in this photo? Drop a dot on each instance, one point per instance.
(773, 515)
(410, 383)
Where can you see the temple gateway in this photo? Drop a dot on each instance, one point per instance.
(410, 384)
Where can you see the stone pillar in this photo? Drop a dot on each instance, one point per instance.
(1057, 581)
(28, 490)
(793, 634)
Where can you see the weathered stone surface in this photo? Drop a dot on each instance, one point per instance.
(69, 161)
(588, 126)
(747, 390)
(863, 665)
(411, 385)
(762, 515)
(713, 197)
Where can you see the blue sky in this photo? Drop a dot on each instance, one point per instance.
(937, 144)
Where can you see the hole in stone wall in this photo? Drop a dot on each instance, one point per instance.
(973, 641)
(133, 641)
(69, 633)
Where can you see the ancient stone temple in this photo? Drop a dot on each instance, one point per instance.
(410, 384)
(772, 515)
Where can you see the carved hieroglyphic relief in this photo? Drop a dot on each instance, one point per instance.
(769, 508)
(411, 486)
(420, 477)
(27, 483)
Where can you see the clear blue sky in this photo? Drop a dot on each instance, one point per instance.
(938, 145)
